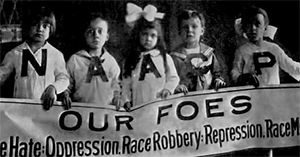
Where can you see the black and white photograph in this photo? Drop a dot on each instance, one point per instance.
(149, 78)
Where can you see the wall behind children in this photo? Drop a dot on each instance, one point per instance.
(219, 31)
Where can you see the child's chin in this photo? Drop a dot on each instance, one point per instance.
(95, 46)
(148, 47)
(39, 39)
(190, 40)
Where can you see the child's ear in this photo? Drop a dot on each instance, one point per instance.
(202, 30)
(107, 37)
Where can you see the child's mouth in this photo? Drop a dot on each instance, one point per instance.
(190, 35)
(39, 35)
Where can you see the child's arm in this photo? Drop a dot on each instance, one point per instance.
(218, 81)
(115, 71)
(287, 64)
(70, 70)
(61, 75)
(6, 67)
(181, 69)
(126, 89)
(238, 64)
(66, 95)
(216, 71)
(172, 79)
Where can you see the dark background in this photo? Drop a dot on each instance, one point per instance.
(219, 31)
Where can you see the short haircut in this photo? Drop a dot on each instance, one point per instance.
(251, 12)
(91, 17)
(187, 14)
(41, 14)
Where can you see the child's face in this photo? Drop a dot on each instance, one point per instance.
(96, 34)
(148, 38)
(39, 32)
(191, 30)
(255, 29)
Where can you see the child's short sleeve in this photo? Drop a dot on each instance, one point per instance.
(7, 66)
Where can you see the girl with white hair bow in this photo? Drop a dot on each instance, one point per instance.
(149, 71)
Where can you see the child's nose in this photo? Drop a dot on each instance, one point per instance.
(148, 37)
(39, 27)
(190, 29)
(95, 33)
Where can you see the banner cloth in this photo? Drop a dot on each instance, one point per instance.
(200, 123)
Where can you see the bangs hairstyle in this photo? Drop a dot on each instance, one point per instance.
(41, 14)
(135, 48)
(143, 25)
(250, 13)
(188, 14)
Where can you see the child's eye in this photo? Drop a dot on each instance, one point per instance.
(144, 34)
(185, 27)
(99, 31)
(153, 35)
(195, 26)
(90, 31)
(45, 25)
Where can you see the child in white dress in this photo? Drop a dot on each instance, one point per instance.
(149, 71)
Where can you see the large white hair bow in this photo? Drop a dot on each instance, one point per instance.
(134, 12)
(270, 32)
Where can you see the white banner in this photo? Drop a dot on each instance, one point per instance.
(200, 123)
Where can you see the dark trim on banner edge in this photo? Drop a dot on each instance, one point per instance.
(156, 101)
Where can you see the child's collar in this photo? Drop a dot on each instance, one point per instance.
(86, 53)
(181, 48)
(27, 46)
(153, 53)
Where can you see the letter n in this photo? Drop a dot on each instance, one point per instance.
(28, 57)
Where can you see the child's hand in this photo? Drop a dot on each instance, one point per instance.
(117, 100)
(127, 106)
(181, 89)
(219, 83)
(164, 93)
(247, 79)
(66, 100)
(48, 97)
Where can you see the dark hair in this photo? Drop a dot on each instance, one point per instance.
(91, 17)
(187, 14)
(87, 18)
(135, 48)
(251, 12)
(40, 14)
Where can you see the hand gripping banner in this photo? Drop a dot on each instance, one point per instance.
(198, 124)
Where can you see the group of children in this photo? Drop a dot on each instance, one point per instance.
(92, 75)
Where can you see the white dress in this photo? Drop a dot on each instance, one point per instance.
(146, 90)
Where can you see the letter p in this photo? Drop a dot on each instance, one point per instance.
(263, 60)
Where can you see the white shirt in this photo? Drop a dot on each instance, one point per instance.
(97, 91)
(243, 63)
(32, 86)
